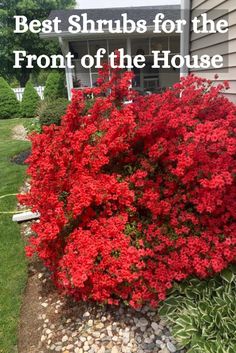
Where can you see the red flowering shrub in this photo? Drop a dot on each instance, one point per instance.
(135, 196)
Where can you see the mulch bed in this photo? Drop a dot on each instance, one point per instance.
(21, 157)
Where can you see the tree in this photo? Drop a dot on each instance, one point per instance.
(9, 105)
(30, 42)
(55, 87)
(29, 102)
(3, 83)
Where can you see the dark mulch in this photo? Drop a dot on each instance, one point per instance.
(21, 157)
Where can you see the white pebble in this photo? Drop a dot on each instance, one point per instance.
(69, 347)
(86, 314)
(114, 350)
(78, 350)
(101, 350)
(155, 326)
(90, 322)
(143, 322)
(64, 338)
(171, 347)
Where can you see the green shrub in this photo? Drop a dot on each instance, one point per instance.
(88, 105)
(14, 83)
(55, 87)
(3, 83)
(29, 102)
(9, 105)
(202, 314)
(51, 112)
(32, 125)
(39, 78)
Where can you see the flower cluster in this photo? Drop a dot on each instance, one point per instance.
(135, 196)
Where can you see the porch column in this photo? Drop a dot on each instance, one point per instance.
(128, 47)
(69, 78)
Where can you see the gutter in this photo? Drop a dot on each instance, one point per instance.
(91, 35)
(185, 36)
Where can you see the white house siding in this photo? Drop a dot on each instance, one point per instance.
(212, 44)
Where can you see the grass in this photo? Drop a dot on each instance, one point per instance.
(13, 270)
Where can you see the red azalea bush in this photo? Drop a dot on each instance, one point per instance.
(135, 196)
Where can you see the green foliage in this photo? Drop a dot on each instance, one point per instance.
(30, 42)
(13, 268)
(55, 87)
(51, 112)
(3, 83)
(202, 313)
(88, 104)
(30, 101)
(39, 78)
(9, 105)
(32, 125)
(14, 83)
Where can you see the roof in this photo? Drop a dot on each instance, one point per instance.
(147, 13)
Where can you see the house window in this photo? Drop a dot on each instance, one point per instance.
(147, 79)
(140, 46)
(95, 45)
(81, 76)
(160, 43)
(174, 44)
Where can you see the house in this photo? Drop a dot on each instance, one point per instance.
(215, 43)
(80, 44)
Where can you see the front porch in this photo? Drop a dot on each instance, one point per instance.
(146, 80)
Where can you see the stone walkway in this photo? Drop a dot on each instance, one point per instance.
(19, 133)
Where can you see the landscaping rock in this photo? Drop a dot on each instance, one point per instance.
(91, 328)
(64, 338)
(171, 347)
(164, 350)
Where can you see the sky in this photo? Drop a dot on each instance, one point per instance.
(88, 4)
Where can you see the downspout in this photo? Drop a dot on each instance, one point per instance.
(185, 36)
(128, 48)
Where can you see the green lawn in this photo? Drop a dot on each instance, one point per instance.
(13, 270)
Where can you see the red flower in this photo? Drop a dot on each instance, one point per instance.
(135, 196)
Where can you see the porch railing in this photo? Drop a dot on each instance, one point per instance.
(20, 90)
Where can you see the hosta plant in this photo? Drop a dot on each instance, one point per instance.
(202, 313)
(134, 197)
